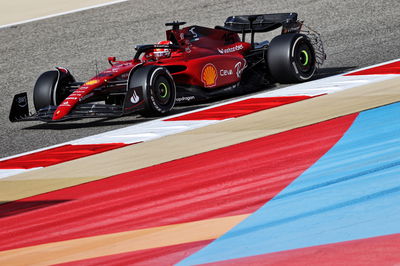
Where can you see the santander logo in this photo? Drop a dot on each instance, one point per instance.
(239, 69)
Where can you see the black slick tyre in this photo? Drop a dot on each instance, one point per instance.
(291, 58)
(158, 89)
(50, 88)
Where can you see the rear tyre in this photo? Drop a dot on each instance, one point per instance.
(50, 88)
(158, 89)
(291, 58)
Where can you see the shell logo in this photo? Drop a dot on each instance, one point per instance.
(209, 75)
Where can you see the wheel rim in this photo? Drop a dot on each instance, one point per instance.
(163, 88)
(304, 58)
(162, 91)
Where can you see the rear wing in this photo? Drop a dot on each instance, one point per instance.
(258, 23)
(267, 22)
(261, 23)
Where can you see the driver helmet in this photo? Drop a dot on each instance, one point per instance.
(160, 53)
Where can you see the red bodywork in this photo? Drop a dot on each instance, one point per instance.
(206, 58)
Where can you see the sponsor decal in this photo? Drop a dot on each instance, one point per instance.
(162, 45)
(185, 99)
(134, 98)
(71, 98)
(234, 86)
(239, 69)
(230, 49)
(65, 103)
(105, 75)
(22, 101)
(209, 75)
(91, 82)
(225, 72)
(195, 36)
(115, 69)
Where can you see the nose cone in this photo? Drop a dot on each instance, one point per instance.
(59, 113)
(72, 100)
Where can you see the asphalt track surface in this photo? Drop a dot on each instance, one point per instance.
(355, 34)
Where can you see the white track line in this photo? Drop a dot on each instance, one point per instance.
(62, 13)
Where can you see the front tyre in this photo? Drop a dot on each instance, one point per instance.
(291, 58)
(162, 92)
(157, 89)
(51, 88)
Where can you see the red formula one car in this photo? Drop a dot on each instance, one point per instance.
(193, 64)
